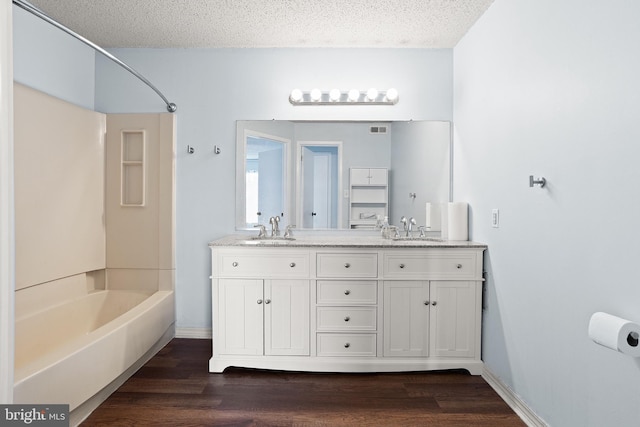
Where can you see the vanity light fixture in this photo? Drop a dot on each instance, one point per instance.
(296, 96)
(371, 96)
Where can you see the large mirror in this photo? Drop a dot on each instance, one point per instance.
(340, 174)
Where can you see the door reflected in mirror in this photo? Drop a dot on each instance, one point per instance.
(320, 178)
(300, 170)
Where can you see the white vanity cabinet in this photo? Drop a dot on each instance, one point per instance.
(346, 303)
(430, 318)
(261, 302)
(435, 310)
(269, 317)
(376, 308)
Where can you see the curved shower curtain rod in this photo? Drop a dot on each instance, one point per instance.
(171, 107)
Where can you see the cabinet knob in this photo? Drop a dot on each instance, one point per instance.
(235, 263)
(293, 264)
(267, 301)
(434, 303)
(347, 265)
(347, 345)
(347, 318)
(259, 301)
(347, 292)
(458, 266)
(401, 266)
(426, 302)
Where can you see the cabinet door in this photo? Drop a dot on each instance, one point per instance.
(286, 317)
(359, 176)
(240, 316)
(406, 318)
(453, 318)
(377, 176)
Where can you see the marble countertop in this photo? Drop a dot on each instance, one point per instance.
(343, 241)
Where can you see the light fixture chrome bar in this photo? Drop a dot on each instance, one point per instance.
(171, 107)
(336, 97)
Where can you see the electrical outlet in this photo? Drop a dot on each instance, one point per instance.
(495, 218)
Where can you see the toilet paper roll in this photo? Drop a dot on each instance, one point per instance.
(457, 221)
(615, 333)
(433, 222)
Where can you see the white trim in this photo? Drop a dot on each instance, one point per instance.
(514, 401)
(7, 217)
(197, 333)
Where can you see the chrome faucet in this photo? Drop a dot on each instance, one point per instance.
(412, 222)
(407, 225)
(274, 221)
(288, 233)
(263, 231)
(403, 221)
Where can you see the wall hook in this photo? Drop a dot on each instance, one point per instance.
(537, 181)
(412, 196)
(216, 149)
(190, 149)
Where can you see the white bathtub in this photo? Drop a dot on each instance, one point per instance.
(70, 352)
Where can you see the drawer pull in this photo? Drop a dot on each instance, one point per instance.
(434, 303)
(347, 345)
(259, 301)
(401, 265)
(347, 292)
(235, 263)
(426, 302)
(347, 318)
(347, 265)
(267, 301)
(458, 266)
(293, 264)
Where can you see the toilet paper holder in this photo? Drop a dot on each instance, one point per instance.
(537, 181)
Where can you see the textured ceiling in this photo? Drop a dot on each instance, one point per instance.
(268, 23)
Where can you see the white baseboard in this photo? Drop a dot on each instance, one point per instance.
(513, 400)
(200, 333)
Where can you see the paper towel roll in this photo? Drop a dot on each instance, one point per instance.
(615, 333)
(444, 221)
(457, 221)
(433, 222)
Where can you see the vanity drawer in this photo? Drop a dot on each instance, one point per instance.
(445, 265)
(346, 318)
(353, 292)
(347, 265)
(263, 264)
(346, 344)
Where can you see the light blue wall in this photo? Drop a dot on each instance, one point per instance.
(214, 88)
(47, 59)
(551, 88)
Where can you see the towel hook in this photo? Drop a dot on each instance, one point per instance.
(537, 181)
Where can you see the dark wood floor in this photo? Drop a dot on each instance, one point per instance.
(176, 389)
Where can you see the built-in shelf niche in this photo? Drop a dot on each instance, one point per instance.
(132, 191)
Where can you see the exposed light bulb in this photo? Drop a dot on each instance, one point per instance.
(315, 95)
(392, 95)
(354, 94)
(296, 95)
(372, 94)
(334, 95)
